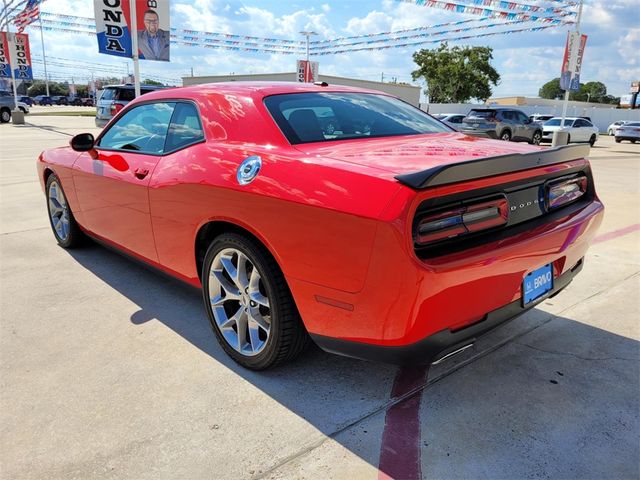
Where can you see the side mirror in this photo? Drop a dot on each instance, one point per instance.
(83, 142)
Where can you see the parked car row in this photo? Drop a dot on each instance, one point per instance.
(510, 124)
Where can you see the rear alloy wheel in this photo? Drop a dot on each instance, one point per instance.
(249, 304)
(592, 140)
(506, 135)
(5, 115)
(63, 224)
(536, 139)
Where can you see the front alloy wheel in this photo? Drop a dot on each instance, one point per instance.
(249, 303)
(63, 224)
(506, 136)
(537, 138)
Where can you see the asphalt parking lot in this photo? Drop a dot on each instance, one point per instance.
(109, 370)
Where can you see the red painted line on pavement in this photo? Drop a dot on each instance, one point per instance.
(400, 450)
(616, 233)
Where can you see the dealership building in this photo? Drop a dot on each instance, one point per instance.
(408, 93)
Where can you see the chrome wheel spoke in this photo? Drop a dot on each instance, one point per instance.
(229, 289)
(259, 320)
(240, 308)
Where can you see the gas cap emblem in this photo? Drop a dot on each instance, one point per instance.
(249, 169)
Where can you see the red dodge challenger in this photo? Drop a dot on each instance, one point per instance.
(340, 215)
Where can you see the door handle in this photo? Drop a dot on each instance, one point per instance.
(141, 173)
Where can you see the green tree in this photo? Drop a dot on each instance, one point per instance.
(148, 81)
(456, 74)
(551, 89)
(38, 87)
(595, 92)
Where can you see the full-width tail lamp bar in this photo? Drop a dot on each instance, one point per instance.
(476, 217)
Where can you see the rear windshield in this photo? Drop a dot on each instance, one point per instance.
(108, 94)
(320, 117)
(632, 124)
(482, 113)
(555, 122)
(122, 94)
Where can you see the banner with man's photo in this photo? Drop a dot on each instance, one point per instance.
(14, 48)
(153, 26)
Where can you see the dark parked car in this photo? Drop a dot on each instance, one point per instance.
(114, 98)
(504, 123)
(27, 100)
(43, 100)
(60, 100)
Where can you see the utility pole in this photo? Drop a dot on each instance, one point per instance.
(44, 57)
(308, 35)
(382, 77)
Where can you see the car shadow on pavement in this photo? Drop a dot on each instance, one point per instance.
(497, 391)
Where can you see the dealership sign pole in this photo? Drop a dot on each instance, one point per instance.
(572, 63)
(134, 47)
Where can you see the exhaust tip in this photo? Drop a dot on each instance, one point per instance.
(453, 353)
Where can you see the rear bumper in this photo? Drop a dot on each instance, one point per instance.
(445, 341)
(627, 137)
(481, 133)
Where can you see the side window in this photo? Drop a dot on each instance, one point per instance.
(185, 128)
(580, 123)
(522, 118)
(142, 129)
(457, 119)
(507, 115)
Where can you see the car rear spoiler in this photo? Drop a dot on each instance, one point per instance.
(489, 166)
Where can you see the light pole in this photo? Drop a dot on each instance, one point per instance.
(308, 35)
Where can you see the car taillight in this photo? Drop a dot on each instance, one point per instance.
(462, 220)
(565, 191)
(116, 107)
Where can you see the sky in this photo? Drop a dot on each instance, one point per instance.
(525, 61)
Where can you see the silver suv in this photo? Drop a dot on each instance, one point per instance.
(504, 123)
(114, 98)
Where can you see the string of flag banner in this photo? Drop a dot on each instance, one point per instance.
(186, 41)
(557, 17)
(502, 4)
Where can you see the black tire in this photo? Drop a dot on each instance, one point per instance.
(23, 110)
(568, 139)
(592, 140)
(75, 238)
(5, 115)
(505, 135)
(633, 141)
(537, 138)
(287, 336)
(618, 140)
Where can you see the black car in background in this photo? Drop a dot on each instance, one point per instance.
(42, 100)
(60, 100)
(27, 100)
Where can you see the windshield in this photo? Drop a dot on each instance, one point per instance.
(319, 117)
(555, 122)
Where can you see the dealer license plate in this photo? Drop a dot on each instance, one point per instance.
(537, 283)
